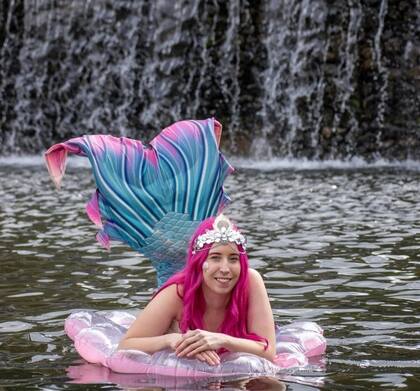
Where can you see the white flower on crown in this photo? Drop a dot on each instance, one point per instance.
(222, 232)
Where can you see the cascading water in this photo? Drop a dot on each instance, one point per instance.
(297, 78)
(292, 97)
(382, 72)
(348, 55)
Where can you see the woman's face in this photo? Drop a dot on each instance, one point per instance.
(222, 268)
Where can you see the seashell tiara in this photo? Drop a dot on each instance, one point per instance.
(223, 232)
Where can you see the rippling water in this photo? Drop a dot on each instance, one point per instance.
(337, 246)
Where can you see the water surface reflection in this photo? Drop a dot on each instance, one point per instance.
(339, 247)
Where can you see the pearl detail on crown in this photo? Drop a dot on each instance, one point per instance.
(222, 232)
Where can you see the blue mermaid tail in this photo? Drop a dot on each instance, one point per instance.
(152, 197)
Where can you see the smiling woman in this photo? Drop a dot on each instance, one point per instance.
(215, 304)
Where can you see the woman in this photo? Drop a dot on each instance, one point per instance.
(215, 303)
(153, 197)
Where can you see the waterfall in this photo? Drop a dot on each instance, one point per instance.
(292, 95)
(348, 55)
(382, 71)
(297, 78)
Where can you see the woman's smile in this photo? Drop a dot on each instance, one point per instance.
(224, 281)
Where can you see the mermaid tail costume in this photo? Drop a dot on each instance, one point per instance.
(152, 197)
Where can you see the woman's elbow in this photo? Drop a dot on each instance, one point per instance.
(271, 356)
(270, 353)
(123, 344)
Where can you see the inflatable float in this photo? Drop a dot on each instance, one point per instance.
(96, 336)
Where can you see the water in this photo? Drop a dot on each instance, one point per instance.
(338, 246)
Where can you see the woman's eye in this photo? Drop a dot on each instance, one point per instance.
(233, 260)
(214, 258)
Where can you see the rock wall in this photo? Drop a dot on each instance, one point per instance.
(317, 79)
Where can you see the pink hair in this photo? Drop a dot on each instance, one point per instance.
(191, 278)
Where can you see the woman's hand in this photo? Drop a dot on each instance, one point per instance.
(197, 341)
(173, 340)
(208, 356)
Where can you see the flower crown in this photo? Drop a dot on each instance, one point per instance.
(223, 232)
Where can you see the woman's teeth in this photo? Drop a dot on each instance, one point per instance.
(222, 279)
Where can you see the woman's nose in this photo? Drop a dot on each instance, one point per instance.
(224, 266)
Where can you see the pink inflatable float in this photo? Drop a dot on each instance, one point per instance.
(96, 336)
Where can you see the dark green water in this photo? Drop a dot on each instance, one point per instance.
(339, 247)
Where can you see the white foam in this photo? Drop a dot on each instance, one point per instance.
(305, 164)
(275, 164)
(38, 160)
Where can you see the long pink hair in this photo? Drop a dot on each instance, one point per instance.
(194, 304)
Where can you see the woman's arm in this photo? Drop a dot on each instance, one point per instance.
(151, 344)
(147, 333)
(260, 314)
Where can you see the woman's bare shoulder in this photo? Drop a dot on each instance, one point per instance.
(172, 296)
(172, 292)
(256, 284)
(255, 277)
